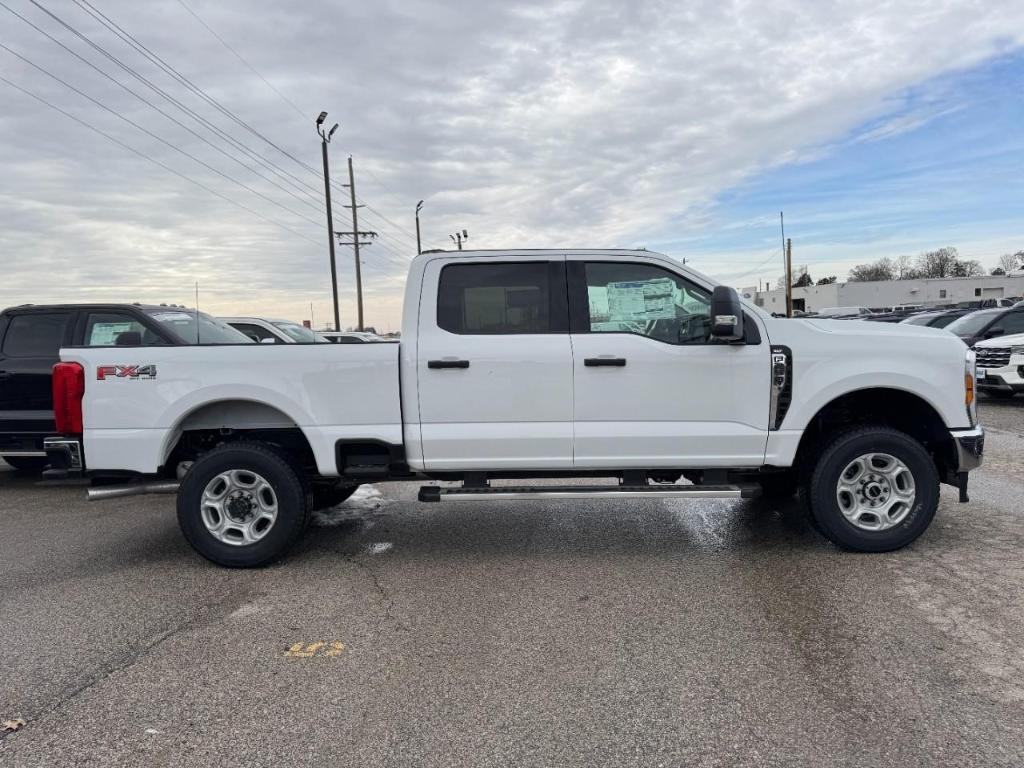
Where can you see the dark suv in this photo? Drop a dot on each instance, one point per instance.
(30, 340)
(988, 324)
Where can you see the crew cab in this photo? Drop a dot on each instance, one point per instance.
(624, 368)
(30, 340)
(1000, 364)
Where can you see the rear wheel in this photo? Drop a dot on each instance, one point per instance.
(874, 489)
(242, 505)
(33, 464)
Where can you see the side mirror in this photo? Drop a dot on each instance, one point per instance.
(268, 340)
(726, 315)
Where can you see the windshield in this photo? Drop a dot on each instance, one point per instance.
(926, 319)
(970, 325)
(300, 333)
(182, 323)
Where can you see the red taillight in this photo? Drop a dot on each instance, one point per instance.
(68, 391)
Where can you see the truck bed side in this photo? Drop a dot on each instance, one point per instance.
(144, 397)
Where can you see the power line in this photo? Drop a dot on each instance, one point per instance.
(153, 160)
(156, 108)
(152, 135)
(274, 168)
(154, 58)
(242, 59)
(271, 86)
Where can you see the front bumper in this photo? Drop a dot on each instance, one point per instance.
(970, 445)
(1009, 378)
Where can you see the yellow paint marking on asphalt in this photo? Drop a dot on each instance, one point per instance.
(336, 649)
(307, 650)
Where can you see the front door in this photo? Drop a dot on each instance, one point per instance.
(650, 387)
(494, 365)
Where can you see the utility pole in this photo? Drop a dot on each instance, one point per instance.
(325, 139)
(789, 277)
(419, 248)
(458, 237)
(355, 243)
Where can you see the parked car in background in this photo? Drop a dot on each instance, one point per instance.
(936, 319)
(1000, 365)
(352, 337)
(32, 335)
(988, 324)
(267, 331)
(843, 313)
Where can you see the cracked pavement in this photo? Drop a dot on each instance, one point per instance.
(648, 632)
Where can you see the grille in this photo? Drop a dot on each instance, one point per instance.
(992, 357)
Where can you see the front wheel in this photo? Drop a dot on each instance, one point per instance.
(874, 489)
(242, 505)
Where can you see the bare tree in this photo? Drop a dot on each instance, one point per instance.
(905, 269)
(883, 269)
(940, 263)
(827, 280)
(1010, 261)
(968, 268)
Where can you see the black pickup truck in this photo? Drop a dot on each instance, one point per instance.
(32, 335)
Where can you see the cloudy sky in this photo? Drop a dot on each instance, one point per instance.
(880, 128)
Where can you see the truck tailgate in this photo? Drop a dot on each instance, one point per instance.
(137, 399)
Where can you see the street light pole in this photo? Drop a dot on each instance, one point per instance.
(419, 248)
(325, 139)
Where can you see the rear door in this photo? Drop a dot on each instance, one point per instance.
(28, 351)
(651, 388)
(494, 364)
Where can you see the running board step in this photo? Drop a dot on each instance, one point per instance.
(437, 493)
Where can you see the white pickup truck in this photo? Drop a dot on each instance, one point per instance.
(526, 364)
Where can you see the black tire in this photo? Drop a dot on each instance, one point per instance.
(327, 496)
(288, 487)
(28, 464)
(837, 455)
(779, 486)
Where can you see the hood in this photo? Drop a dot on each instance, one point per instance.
(1002, 341)
(874, 328)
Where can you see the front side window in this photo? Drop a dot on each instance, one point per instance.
(256, 332)
(647, 300)
(503, 298)
(113, 329)
(1010, 323)
(35, 335)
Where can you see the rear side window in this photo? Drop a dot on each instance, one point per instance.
(115, 329)
(35, 335)
(503, 298)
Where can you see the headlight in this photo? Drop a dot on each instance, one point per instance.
(970, 401)
(1018, 350)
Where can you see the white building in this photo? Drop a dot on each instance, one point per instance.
(932, 292)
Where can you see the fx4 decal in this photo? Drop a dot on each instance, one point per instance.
(104, 372)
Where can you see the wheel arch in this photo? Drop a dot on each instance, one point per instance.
(233, 419)
(894, 407)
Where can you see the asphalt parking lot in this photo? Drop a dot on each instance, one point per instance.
(516, 633)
